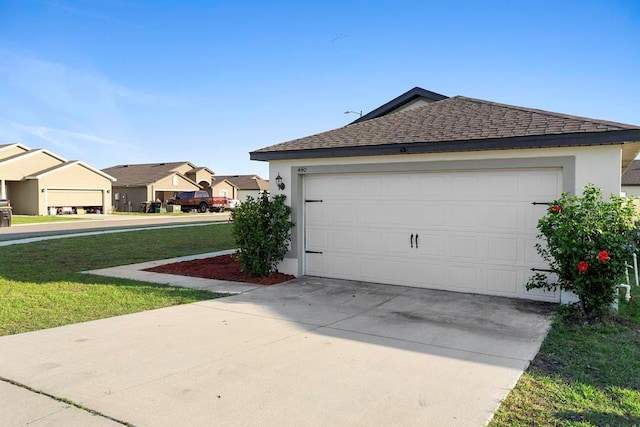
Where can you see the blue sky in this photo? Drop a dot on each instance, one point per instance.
(127, 81)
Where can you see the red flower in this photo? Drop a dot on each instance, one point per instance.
(582, 266)
(603, 256)
(555, 208)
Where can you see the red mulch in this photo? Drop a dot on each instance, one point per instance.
(223, 267)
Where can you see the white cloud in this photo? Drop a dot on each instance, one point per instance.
(64, 138)
(75, 111)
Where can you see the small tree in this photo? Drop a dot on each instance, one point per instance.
(588, 242)
(262, 231)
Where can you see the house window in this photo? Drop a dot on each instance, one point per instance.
(224, 193)
(174, 181)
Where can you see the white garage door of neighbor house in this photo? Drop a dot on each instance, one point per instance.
(468, 231)
(74, 198)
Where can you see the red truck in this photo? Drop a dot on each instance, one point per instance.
(200, 200)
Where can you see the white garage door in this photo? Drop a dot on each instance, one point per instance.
(469, 231)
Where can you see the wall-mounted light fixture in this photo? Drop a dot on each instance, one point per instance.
(279, 182)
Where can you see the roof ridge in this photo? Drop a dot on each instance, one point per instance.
(546, 112)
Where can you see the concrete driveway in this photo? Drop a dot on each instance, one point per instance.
(310, 352)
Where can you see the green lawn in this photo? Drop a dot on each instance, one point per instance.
(30, 219)
(584, 375)
(41, 285)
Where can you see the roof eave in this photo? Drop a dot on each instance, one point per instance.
(545, 141)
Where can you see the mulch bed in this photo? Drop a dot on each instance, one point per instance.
(223, 267)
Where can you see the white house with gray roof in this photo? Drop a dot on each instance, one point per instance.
(438, 192)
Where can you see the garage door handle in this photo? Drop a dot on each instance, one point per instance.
(416, 240)
(411, 240)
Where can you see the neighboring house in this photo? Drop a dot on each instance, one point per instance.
(239, 187)
(39, 182)
(631, 179)
(444, 195)
(141, 183)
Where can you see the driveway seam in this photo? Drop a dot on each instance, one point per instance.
(65, 401)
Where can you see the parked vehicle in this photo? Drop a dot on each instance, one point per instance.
(200, 200)
(233, 203)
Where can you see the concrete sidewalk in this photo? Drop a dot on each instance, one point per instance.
(307, 352)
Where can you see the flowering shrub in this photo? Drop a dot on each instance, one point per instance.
(588, 241)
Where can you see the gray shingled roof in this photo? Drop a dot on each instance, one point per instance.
(143, 174)
(453, 124)
(244, 182)
(632, 175)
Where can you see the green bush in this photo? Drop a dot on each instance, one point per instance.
(262, 231)
(588, 242)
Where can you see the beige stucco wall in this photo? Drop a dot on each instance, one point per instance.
(232, 192)
(600, 165)
(183, 169)
(11, 150)
(16, 169)
(24, 197)
(200, 176)
(631, 190)
(72, 178)
(129, 198)
(243, 194)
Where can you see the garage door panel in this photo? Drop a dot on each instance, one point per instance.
(463, 277)
(370, 241)
(463, 216)
(463, 248)
(502, 281)
(501, 217)
(316, 239)
(533, 215)
(502, 250)
(465, 185)
(540, 294)
(532, 257)
(431, 186)
(542, 185)
(502, 186)
(74, 198)
(431, 245)
(343, 240)
(371, 214)
(432, 214)
(477, 229)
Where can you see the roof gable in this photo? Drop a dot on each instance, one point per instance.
(397, 103)
(142, 175)
(631, 176)
(66, 165)
(454, 124)
(31, 153)
(244, 182)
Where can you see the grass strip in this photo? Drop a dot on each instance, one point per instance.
(584, 375)
(41, 285)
